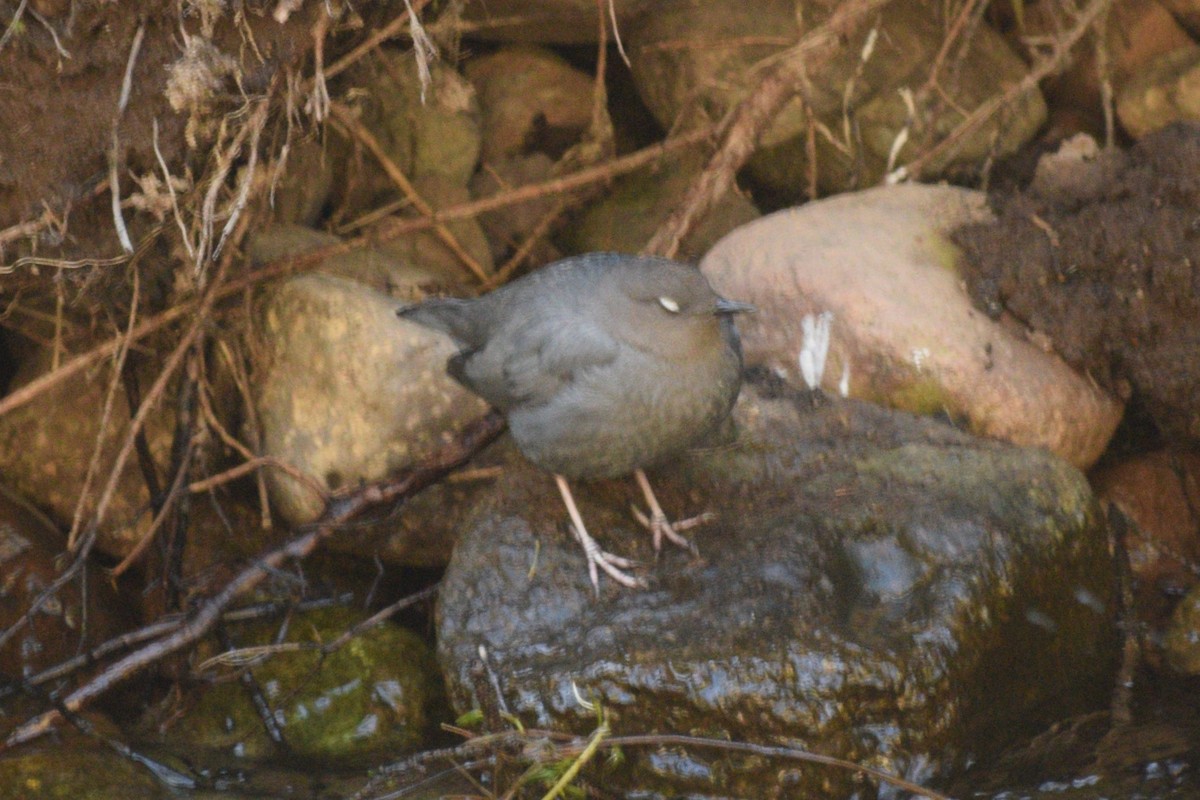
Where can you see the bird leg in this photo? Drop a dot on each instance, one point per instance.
(660, 526)
(612, 564)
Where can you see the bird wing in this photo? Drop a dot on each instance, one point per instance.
(537, 360)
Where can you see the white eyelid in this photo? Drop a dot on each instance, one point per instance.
(669, 304)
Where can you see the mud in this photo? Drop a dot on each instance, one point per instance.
(62, 80)
(1103, 266)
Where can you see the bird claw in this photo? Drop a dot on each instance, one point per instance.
(614, 565)
(660, 527)
(611, 563)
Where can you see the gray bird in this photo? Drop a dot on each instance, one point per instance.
(603, 364)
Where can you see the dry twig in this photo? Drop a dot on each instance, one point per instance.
(105, 415)
(747, 122)
(534, 191)
(389, 31)
(1061, 50)
(355, 128)
(309, 259)
(202, 620)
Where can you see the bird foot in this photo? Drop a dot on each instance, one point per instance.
(612, 564)
(661, 527)
(658, 524)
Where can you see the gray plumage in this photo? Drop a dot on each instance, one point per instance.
(603, 363)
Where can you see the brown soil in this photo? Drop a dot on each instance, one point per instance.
(1107, 268)
(59, 109)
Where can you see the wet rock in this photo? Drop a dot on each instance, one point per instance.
(1089, 758)
(903, 331)
(1159, 493)
(47, 444)
(535, 107)
(625, 219)
(1181, 645)
(346, 392)
(1165, 91)
(691, 56)
(426, 131)
(408, 266)
(54, 630)
(1108, 277)
(81, 771)
(432, 135)
(424, 531)
(1076, 169)
(876, 586)
(223, 532)
(378, 694)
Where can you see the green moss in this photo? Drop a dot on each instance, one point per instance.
(74, 773)
(922, 394)
(379, 693)
(943, 252)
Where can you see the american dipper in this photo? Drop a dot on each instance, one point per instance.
(603, 364)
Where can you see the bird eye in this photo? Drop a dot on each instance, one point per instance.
(669, 303)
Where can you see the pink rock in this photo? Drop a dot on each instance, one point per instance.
(904, 332)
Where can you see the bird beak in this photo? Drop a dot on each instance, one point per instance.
(734, 307)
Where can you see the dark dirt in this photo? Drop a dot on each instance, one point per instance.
(59, 110)
(1106, 266)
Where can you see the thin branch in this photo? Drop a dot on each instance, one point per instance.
(225, 161)
(206, 616)
(127, 79)
(390, 230)
(114, 160)
(1043, 69)
(156, 390)
(251, 465)
(13, 24)
(257, 122)
(746, 123)
(535, 191)
(368, 140)
(957, 27)
(162, 163)
(105, 415)
(317, 104)
(379, 616)
(770, 751)
(184, 310)
(389, 31)
(1104, 73)
(160, 518)
(540, 231)
(45, 23)
(114, 184)
(161, 627)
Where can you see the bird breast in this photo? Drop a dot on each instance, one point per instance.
(640, 409)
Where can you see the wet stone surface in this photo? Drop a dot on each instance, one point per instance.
(43, 631)
(876, 586)
(379, 694)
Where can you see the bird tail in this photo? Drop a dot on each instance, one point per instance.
(448, 315)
